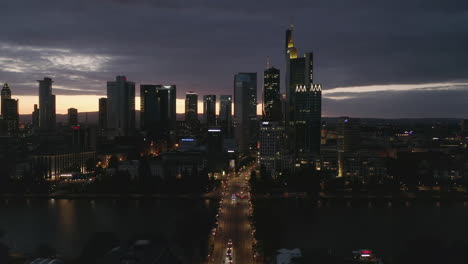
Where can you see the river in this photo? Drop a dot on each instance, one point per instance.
(67, 225)
(395, 231)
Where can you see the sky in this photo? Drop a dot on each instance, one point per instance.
(389, 59)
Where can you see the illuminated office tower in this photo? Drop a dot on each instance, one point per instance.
(271, 95)
(225, 114)
(348, 141)
(245, 110)
(271, 141)
(209, 109)
(120, 107)
(303, 110)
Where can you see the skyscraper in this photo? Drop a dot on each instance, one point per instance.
(245, 110)
(47, 115)
(191, 107)
(35, 117)
(102, 119)
(158, 108)
(209, 109)
(303, 113)
(6, 93)
(72, 116)
(349, 134)
(272, 151)
(271, 95)
(120, 107)
(9, 109)
(225, 114)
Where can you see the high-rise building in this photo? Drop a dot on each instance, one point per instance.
(102, 118)
(191, 107)
(271, 95)
(303, 117)
(72, 116)
(245, 110)
(349, 134)
(209, 109)
(9, 109)
(5, 94)
(225, 114)
(272, 152)
(158, 109)
(120, 107)
(47, 117)
(35, 117)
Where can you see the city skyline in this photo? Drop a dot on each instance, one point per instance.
(369, 65)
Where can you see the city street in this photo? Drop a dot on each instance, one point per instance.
(233, 222)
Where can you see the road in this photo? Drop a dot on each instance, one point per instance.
(233, 222)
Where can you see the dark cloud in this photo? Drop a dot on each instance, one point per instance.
(409, 104)
(199, 44)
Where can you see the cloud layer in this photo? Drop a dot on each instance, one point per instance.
(200, 44)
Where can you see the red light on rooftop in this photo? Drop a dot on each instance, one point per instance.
(366, 252)
(76, 127)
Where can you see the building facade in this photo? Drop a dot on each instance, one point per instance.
(47, 117)
(245, 110)
(225, 114)
(209, 109)
(120, 107)
(271, 95)
(272, 153)
(52, 165)
(72, 116)
(303, 110)
(158, 109)
(191, 107)
(102, 118)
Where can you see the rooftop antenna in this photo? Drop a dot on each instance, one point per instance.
(268, 62)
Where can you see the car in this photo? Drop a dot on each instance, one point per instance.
(230, 243)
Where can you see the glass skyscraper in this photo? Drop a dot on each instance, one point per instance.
(191, 107)
(120, 107)
(209, 109)
(47, 116)
(271, 95)
(158, 109)
(303, 109)
(225, 114)
(245, 110)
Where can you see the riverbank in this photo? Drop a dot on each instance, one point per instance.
(109, 196)
(322, 197)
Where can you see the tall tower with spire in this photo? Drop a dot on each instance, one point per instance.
(9, 110)
(5, 94)
(303, 106)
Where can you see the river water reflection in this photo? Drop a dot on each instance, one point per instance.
(67, 225)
